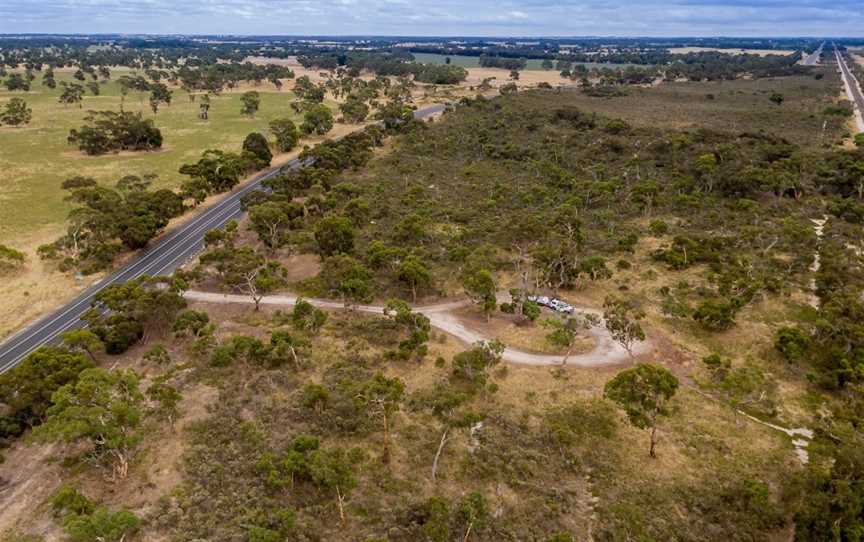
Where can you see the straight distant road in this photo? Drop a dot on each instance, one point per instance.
(853, 89)
(163, 257)
(813, 58)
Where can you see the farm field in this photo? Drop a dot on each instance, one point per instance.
(36, 158)
(534, 64)
(732, 106)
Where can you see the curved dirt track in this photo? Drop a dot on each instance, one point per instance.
(605, 352)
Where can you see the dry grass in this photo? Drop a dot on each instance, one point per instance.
(700, 438)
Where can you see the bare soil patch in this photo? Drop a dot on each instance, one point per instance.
(530, 337)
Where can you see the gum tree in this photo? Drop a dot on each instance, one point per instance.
(643, 392)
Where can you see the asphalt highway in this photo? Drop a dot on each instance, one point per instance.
(813, 59)
(162, 257)
(853, 89)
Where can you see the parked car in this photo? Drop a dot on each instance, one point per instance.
(554, 304)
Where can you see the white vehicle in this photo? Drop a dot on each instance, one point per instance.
(539, 299)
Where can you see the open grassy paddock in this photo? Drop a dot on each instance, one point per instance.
(36, 158)
(732, 106)
(534, 64)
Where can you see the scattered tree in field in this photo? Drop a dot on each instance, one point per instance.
(354, 110)
(48, 79)
(83, 340)
(256, 145)
(72, 93)
(93, 87)
(286, 133)
(16, 81)
(250, 101)
(621, 318)
(102, 407)
(302, 85)
(317, 120)
(159, 94)
(776, 98)
(480, 286)
(644, 393)
(10, 259)
(382, 396)
(204, 107)
(15, 113)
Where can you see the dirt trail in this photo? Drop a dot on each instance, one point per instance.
(819, 230)
(605, 352)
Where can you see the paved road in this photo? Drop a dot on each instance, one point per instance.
(162, 257)
(605, 352)
(813, 58)
(853, 89)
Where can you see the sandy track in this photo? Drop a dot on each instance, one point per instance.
(606, 351)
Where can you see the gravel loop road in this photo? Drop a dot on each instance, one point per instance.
(606, 351)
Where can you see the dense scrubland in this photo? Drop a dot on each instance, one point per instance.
(685, 211)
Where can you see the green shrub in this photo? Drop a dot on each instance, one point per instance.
(716, 314)
(792, 343)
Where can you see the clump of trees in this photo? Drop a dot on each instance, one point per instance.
(124, 314)
(15, 112)
(107, 220)
(286, 133)
(27, 388)
(240, 268)
(111, 131)
(102, 408)
(85, 521)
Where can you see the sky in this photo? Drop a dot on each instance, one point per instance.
(821, 18)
